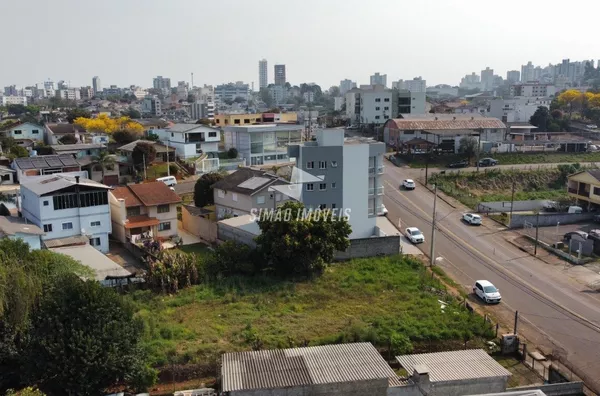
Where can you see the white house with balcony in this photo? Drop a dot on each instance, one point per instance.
(190, 140)
(68, 206)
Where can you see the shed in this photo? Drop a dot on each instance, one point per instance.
(457, 373)
(331, 370)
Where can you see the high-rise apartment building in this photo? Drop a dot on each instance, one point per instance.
(527, 72)
(96, 85)
(280, 78)
(417, 84)
(346, 85)
(379, 79)
(86, 92)
(487, 79)
(152, 105)
(263, 75)
(162, 83)
(513, 76)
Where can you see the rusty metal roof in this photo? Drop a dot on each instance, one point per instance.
(428, 123)
(283, 368)
(455, 365)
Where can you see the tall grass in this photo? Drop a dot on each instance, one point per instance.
(418, 161)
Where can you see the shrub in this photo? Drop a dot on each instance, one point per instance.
(173, 169)
(232, 153)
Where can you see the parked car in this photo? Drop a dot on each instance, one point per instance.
(487, 291)
(569, 235)
(472, 218)
(409, 184)
(414, 235)
(488, 162)
(168, 180)
(459, 164)
(551, 206)
(592, 126)
(383, 211)
(575, 210)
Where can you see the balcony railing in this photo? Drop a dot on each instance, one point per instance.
(378, 210)
(380, 169)
(581, 193)
(376, 191)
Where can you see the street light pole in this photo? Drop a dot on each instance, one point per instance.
(537, 229)
(168, 169)
(478, 148)
(432, 248)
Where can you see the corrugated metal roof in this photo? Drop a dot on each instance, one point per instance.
(455, 365)
(304, 366)
(428, 123)
(41, 185)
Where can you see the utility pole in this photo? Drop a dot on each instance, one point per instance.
(478, 148)
(168, 170)
(144, 164)
(426, 168)
(537, 229)
(512, 201)
(432, 250)
(516, 321)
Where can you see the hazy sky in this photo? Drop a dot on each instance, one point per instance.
(130, 41)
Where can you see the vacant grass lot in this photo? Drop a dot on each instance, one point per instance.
(442, 161)
(496, 185)
(362, 300)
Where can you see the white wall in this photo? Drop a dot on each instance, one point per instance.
(168, 217)
(118, 214)
(34, 241)
(355, 194)
(27, 132)
(369, 113)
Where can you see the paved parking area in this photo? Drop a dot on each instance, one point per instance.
(556, 233)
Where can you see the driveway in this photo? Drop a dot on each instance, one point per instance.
(555, 311)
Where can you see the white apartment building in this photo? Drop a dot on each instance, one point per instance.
(66, 206)
(279, 93)
(517, 109)
(152, 105)
(369, 104)
(190, 140)
(201, 109)
(13, 100)
(513, 76)
(487, 79)
(378, 79)
(532, 90)
(470, 81)
(338, 103)
(417, 84)
(309, 96)
(263, 75)
(346, 175)
(346, 85)
(231, 91)
(96, 85)
(69, 94)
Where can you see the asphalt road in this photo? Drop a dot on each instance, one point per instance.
(551, 306)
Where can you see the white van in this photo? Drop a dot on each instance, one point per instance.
(168, 180)
(575, 209)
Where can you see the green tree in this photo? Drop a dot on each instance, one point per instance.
(468, 146)
(19, 151)
(203, 190)
(295, 243)
(143, 153)
(84, 339)
(191, 98)
(77, 112)
(232, 258)
(16, 109)
(132, 113)
(232, 153)
(29, 391)
(68, 139)
(171, 271)
(556, 114)
(266, 97)
(153, 137)
(125, 136)
(540, 118)
(33, 110)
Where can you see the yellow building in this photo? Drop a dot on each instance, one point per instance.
(251, 119)
(585, 186)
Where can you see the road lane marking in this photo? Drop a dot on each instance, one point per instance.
(497, 265)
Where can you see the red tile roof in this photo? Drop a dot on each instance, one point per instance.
(433, 124)
(140, 221)
(125, 193)
(154, 193)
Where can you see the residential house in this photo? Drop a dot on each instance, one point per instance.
(87, 154)
(190, 140)
(19, 228)
(344, 175)
(263, 144)
(151, 124)
(29, 167)
(54, 132)
(584, 186)
(246, 189)
(140, 210)
(68, 206)
(7, 175)
(24, 131)
(125, 160)
(517, 109)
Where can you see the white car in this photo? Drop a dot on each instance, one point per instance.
(472, 218)
(487, 291)
(415, 235)
(409, 184)
(383, 211)
(592, 126)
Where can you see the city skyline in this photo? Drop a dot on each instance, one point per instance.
(328, 63)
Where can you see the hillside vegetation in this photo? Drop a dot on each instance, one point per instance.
(496, 185)
(442, 161)
(390, 301)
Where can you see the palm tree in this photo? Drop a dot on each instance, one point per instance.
(105, 161)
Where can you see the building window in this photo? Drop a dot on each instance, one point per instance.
(323, 206)
(95, 224)
(260, 199)
(221, 193)
(333, 185)
(377, 108)
(310, 187)
(322, 164)
(596, 190)
(212, 134)
(172, 134)
(163, 208)
(234, 197)
(246, 121)
(277, 197)
(135, 211)
(236, 121)
(377, 100)
(86, 199)
(333, 206)
(47, 227)
(67, 226)
(46, 203)
(310, 165)
(386, 99)
(386, 108)
(322, 186)
(17, 132)
(35, 131)
(164, 226)
(95, 241)
(376, 117)
(334, 164)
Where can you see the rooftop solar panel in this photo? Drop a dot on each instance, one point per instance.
(39, 163)
(24, 163)
(68, 161)
(254, 183)
(54, 162)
